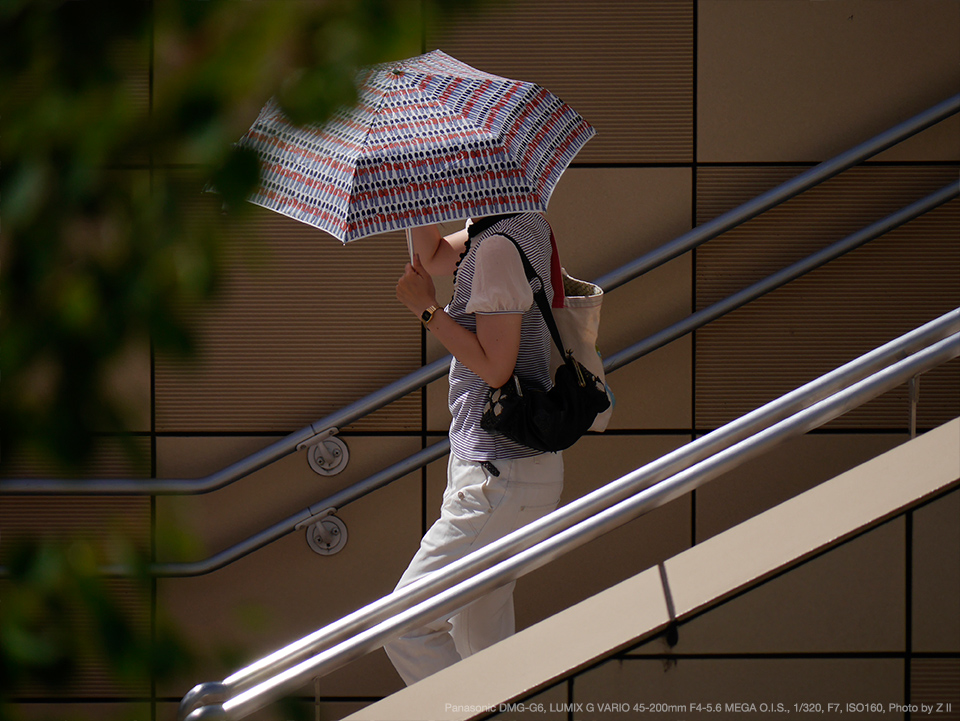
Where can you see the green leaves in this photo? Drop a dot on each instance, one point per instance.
(116, 118)
(58, 612)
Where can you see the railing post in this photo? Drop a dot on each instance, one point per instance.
(914, 386)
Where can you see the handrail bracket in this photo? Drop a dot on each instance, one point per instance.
(326, 533)
(326, 454)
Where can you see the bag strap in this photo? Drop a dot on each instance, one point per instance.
(482, 224)
(540, 296)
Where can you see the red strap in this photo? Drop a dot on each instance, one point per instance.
(556, 275)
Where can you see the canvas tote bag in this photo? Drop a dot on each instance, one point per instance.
(578, 320)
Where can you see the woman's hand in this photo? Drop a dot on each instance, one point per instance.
(415, 288)
(491, 352)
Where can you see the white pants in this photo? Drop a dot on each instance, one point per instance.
(478, 508)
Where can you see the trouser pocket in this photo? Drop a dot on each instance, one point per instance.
(473, 493)
(540, 505)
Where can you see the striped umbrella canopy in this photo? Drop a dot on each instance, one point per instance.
(430, 140)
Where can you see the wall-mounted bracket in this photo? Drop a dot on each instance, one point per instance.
(326, 533)
(326, 454)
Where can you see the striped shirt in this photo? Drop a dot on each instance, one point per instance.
(468, 392)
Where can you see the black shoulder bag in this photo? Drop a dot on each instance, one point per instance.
(546, 420)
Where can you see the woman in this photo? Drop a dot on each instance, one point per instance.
(493, 329)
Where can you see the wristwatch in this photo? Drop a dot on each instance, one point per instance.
(428, 314)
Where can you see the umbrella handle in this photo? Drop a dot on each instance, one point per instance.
(410, 244)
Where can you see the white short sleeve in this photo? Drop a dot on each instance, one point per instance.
(499, 282)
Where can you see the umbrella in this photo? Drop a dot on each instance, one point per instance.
(431, 139)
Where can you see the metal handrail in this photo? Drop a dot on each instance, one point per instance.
(697, 320)
(278, 530)
(437, 369)
(242, 468)
(594, 502)
(806, 180)
(525, 550)
(611, 364)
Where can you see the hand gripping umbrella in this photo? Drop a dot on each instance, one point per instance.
(431, 139)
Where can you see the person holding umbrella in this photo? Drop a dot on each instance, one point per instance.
(432, 140)
(494, 485)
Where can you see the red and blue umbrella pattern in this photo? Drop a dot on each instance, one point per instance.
(431, 139)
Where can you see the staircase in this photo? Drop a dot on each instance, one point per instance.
(508, 676)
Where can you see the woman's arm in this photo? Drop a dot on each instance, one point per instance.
(438, 254)
(491, 352)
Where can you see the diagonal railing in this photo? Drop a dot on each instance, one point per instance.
(832, 395)
(421, 377)
(333, 503)
(577, 523)
(337, 501)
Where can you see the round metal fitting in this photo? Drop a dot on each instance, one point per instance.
(328, 457)
(327, 536)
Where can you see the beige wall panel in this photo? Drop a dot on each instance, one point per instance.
(804, 81)
(813, 220)
(849, 600)
(604, 219)
(92, 676)
(615, 556)
(655, 391)
(303, 326)
(780, 474)
(627, 68)
(107, 523)
(285, 591)
(935, 682)
(127, 457)
(110, 456)
(839, 311)
(102, 521)
(744, 681)
(936, 576)
(438, 412)
(99, 520)
(216, 520)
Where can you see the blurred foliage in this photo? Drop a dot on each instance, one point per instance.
(105, 107)
(115, 115)
(59, 616)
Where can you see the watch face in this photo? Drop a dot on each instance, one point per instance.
(426, 315)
